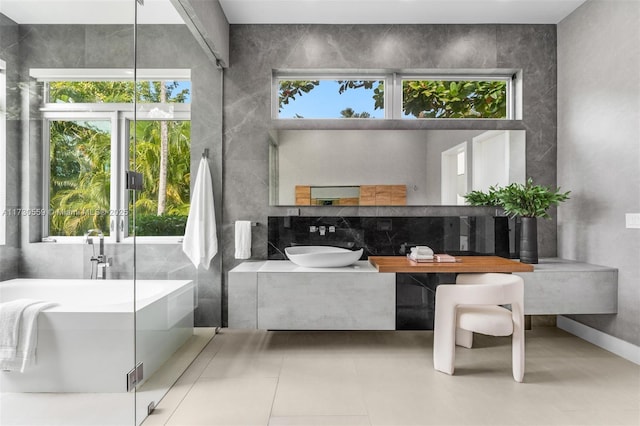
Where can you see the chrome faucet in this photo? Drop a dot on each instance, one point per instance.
(101, 261)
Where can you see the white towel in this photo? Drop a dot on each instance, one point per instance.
(243, 239)
(200, 242)
(19, 322)
(10, 316)
(422, 252)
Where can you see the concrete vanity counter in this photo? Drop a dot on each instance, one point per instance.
(559, 286)
(279, 295)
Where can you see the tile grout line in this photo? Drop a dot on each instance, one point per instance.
(361, 388)
(275, 391)
(273, 400)
(195, 380)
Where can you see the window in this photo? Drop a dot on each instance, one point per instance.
(3, 153)
(89, 132)
(162, 206)
(330, 98)
(454, 98)
(79, 175)
(477, 95)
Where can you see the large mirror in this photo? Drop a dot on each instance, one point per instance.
(390, 167)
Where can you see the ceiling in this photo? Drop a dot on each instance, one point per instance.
(397, 11)
(298, 11)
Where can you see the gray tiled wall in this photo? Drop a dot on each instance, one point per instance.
(10, 252)
(111, 46)
(256, 50)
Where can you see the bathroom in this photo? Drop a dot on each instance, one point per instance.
(231, 116)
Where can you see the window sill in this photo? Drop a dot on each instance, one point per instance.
(398, 124)
(153, 240)
(108, 240)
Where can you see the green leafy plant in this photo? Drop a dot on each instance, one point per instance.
(517, 199)
(481, 198)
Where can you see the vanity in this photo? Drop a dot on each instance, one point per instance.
(279, 295)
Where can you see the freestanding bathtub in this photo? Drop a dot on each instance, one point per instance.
(87, 343)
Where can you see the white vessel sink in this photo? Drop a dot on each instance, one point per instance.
(322, 256)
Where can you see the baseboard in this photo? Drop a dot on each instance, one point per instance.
(620, 347)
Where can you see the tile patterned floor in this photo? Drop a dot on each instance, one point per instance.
(254, 377)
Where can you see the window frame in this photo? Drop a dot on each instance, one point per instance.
(393, 105)
(47, 118)
(120, 115)
(508, 78)
(143, 114)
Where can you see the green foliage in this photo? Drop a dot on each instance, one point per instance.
(481, 198)
(114, 91)
(152, 225)
(147, 155)
(529, 200)
(91, 91)
(454, 99)
(517, 199)
(350, 113)
(289, 89)
(80, 160)
(378, 90)
(80, 177)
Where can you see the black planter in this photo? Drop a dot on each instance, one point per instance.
(529, 240)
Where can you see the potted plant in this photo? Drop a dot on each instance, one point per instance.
(529, 202)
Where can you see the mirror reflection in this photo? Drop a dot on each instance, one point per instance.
(391, 167)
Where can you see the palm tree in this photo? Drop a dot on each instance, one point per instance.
(148, 162)
(350, 113)
(80, 157)
(80, 177)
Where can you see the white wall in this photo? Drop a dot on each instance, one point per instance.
(343, 157)
(440, 141)
(365, 157)
(599, 149)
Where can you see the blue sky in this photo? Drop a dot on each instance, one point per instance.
(324, 101)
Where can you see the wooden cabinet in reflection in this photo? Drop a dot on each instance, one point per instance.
(303, 195)
(383, 195)
(369, 195)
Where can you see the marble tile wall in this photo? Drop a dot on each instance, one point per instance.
(256, 50)
(111, 46)
(10, 252)
(394, 236)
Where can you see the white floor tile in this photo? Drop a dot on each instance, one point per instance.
(320, 421)
(226, 402)
(318, 386)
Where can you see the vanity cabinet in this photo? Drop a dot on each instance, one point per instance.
(278, 295)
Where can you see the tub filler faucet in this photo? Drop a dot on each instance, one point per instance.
(101, 262)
